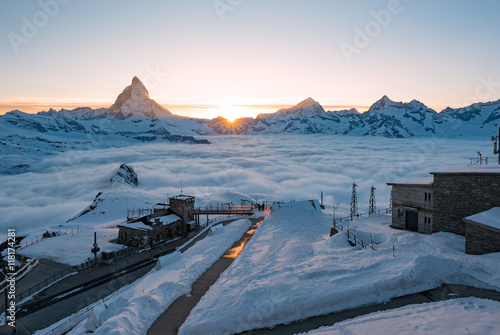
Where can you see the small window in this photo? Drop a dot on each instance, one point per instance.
(429, 196)
(401, 212)
(429, 220)
(425, 219)
(425, 196)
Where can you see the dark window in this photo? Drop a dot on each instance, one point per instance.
(426, 196)
(429, 220)
(429, 196)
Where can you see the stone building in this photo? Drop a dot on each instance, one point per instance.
(166, 221)
(183, 205)
(482, 232)
(155, 229)
(412, 205)
(440, 203)
(463, 192)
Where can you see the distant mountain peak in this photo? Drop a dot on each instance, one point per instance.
(135, 100)
(308, 101)
(381, 103)
(386, 102)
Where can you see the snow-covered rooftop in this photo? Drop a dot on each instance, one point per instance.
(489, 218)
(184, 197)
(136, 225)
(420, 181)
(168, 219)
(490, 168)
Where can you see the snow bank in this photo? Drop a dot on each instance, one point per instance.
(458, 316)
(135, 310)
(292, 269)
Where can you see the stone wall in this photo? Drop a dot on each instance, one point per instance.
(404, 196)
(458, 195)
(481, 239)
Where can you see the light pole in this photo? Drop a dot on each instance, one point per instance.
(496, 144)
(334, 208)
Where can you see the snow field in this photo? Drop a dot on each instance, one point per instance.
(292, 269)
(74, 248)
(134, 310)
(457, 316)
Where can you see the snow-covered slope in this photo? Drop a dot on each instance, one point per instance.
(136, 118)
(133, 118)
(457, 316)
(291, 270)
(112, 205)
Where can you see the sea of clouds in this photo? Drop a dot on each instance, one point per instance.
(280, 167)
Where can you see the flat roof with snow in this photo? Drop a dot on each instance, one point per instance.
(490, 217)
(168, 219)
(491, 168)
(136, 225)
(183, 197)
(420, 182)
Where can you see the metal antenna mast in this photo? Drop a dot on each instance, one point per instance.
(496, 144)
(372, 208)
(354, 201)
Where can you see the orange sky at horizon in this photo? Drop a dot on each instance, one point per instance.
(207, 111)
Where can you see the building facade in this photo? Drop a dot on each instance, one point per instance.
(412, 205)
(459, 194)
(440, 203)
(166, 221)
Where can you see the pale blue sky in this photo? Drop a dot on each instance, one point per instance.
(262, 52)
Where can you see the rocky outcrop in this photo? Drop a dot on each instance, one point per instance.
(125, 176)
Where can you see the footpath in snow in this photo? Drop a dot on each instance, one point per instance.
(135, 309)
(292, 270)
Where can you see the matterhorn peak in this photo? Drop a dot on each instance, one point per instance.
(308, 101)
(134, 100)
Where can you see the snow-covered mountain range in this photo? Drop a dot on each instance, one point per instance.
(136, 118)
(385, 118)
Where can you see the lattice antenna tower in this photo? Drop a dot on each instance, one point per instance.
(354, 201)
(372, 208)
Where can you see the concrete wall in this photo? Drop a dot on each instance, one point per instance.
(413, 196)
(481, 239)
(458, 195)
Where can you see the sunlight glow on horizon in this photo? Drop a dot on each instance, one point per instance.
(263, 56)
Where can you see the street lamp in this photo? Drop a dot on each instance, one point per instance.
(496, 144)
(334, 208)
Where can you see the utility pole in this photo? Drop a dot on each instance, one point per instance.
(354, 201)
(322, 205)
(334, 209)
(496, 144)
(95, 249)
(372, 208)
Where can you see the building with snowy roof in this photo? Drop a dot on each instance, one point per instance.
(166, 221)
(412, 205)
(482, 232)
(441, 202)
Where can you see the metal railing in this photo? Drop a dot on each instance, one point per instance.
(352, 237)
